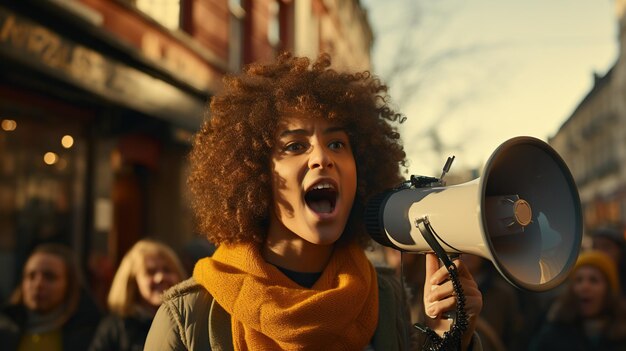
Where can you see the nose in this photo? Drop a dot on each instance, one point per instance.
(37, 281)
(320, 158)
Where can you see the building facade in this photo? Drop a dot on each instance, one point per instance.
(99, 100)
(592, 142)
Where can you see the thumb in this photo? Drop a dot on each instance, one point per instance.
(432, 266)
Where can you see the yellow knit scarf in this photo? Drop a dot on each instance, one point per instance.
(271, 312)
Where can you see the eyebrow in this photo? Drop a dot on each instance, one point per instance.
(329, 130)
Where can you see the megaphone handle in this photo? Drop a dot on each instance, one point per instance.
(452, 338)
(423, 224)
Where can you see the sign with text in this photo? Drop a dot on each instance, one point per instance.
(42, 49)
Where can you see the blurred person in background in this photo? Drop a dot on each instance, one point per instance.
(410, 267)
(49, 310)
(146, 271)
(589, 315)
(611, 241)
(500, 319)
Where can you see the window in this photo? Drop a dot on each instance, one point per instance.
(166, 12)
(42, 180)
(235, 48)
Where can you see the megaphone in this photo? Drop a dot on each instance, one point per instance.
(523, 214)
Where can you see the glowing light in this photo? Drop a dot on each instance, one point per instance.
(67, 141)
(9, 125)
(50, 158)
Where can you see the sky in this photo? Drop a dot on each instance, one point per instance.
(475, 73)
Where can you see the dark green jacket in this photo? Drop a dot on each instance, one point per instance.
(117, 333)
(190, 319)
(76, 333)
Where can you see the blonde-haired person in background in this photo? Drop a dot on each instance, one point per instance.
(146, 271)
(49, 310)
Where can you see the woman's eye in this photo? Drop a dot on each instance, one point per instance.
(336, 145)
(293, 147)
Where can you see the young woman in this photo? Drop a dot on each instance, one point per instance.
(146, 271)
(589, 315)
(280, 175)
(49, 310)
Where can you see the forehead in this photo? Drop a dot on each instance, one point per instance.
(305, 122)
(153, 259)
(41, 261)
(605, 242)
(588, 270)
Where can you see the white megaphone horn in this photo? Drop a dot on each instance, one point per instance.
(523, 214)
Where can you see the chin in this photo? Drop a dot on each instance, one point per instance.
(326, 242)
(325, 237)
(155, 301)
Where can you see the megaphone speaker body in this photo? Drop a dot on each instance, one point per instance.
(523, 215)
(453, 210)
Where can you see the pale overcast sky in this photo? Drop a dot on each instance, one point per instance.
(515, 68)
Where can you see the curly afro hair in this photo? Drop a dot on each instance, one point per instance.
(230, 178)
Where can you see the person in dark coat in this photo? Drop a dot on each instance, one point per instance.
(589, 315)
(49, 310)
(498, 327)
(146, 271)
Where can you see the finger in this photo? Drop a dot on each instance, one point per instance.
(432, 266)
(446, 289)
(462, 269)
(442, 274)
(473, 305)
(436, 309)
(465, 277)
(440, 292)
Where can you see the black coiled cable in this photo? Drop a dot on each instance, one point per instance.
(451, 340)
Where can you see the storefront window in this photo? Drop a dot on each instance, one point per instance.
(42, 171)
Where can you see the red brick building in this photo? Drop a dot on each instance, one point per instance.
(99, 100)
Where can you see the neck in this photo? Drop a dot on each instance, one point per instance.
(296, 255)
(38, 322)
(145, 309)
(594, 326)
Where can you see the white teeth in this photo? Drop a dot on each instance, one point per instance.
(324, 186)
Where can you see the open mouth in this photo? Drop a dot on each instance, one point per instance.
(322, 198)
(586, 303)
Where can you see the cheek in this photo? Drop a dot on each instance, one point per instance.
(351, 180)
(143, 282)
(61, 286)
(285, 189)
(26, 285)
(172, 278)
(601, 289)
